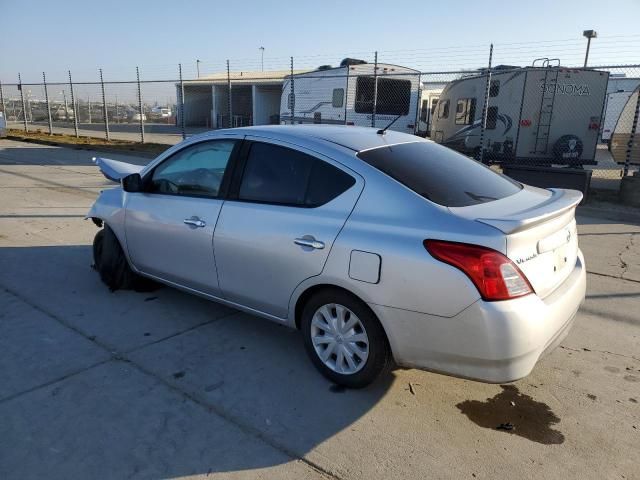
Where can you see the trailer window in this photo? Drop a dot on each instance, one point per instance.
(424, 111)
(492, 118)
(465, 111)
(494, 89)
(393, 98)
(337, 100)
(439, 174)
(443, 109)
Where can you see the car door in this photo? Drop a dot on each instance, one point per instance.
(276, 229)
(169, 227)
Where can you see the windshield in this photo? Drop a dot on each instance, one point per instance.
(440, 174)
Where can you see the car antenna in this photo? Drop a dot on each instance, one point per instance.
(382, 130)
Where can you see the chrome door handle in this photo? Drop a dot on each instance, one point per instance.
(308, 241)
(195, 222)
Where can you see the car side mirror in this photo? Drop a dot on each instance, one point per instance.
(132, 183)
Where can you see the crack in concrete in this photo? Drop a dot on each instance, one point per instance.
(631, 357)
(624, 250)
(600, 274)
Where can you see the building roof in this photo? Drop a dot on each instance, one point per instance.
(272, 76)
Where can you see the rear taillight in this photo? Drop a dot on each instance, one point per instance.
(494, 275)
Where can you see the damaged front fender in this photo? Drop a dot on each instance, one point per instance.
(109, 208)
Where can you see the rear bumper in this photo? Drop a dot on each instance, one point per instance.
(492, 342)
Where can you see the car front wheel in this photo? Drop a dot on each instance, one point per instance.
(344, 339)
(112, 265)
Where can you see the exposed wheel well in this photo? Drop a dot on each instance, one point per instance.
(308, 293)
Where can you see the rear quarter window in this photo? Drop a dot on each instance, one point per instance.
(439, 174)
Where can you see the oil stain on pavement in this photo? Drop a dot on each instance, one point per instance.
(523, 415)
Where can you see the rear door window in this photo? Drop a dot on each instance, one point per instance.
(440, 174)
(280, 175)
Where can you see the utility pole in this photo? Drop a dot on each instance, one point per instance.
(589, 34)
(261, 59)
(198, 68)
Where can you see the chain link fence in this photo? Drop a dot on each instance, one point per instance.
(539, 114)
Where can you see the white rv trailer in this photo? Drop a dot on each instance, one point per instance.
(539, 114)
(428, 101)
(622, 142)
(618, 92)
(346, 96)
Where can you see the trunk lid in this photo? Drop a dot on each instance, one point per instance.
(115, 170)
(540, 232)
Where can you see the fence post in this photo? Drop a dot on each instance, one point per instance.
(346, 95)
(105, 111)
(375, 90)
(485, 106)
(140, 106)
(46, 99)
(24, 107)
(634, 129)
(73, 105)
(4, 108)
(293, 96)
(416, 123)
(181, 106)
(229, 98)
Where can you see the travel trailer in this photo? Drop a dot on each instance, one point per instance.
(614, 105)
(428, 102)
(351, 94)
(619, 90)
(542, 114)
(621, 138)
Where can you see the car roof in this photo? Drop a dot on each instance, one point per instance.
(351, 137)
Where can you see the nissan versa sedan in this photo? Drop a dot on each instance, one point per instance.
(379, 246)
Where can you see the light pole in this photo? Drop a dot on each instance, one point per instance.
(198, 67)
(588, 34)
(261, 58)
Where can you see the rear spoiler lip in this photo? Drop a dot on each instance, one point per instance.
(560, 202)
(115, 170)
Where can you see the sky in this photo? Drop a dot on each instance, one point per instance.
(118, 35)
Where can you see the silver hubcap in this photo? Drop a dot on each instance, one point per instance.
(339, 339)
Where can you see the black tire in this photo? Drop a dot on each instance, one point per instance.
(379, 357)
(112, 265)
(97, 249)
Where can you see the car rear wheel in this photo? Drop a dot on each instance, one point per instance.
(344, 339)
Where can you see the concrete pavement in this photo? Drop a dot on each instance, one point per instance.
(166, 385)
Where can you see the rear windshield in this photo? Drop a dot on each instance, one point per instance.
(440, 174)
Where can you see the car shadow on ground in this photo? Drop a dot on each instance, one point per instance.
(108, 385)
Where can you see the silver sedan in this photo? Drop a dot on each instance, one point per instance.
(379, 246)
